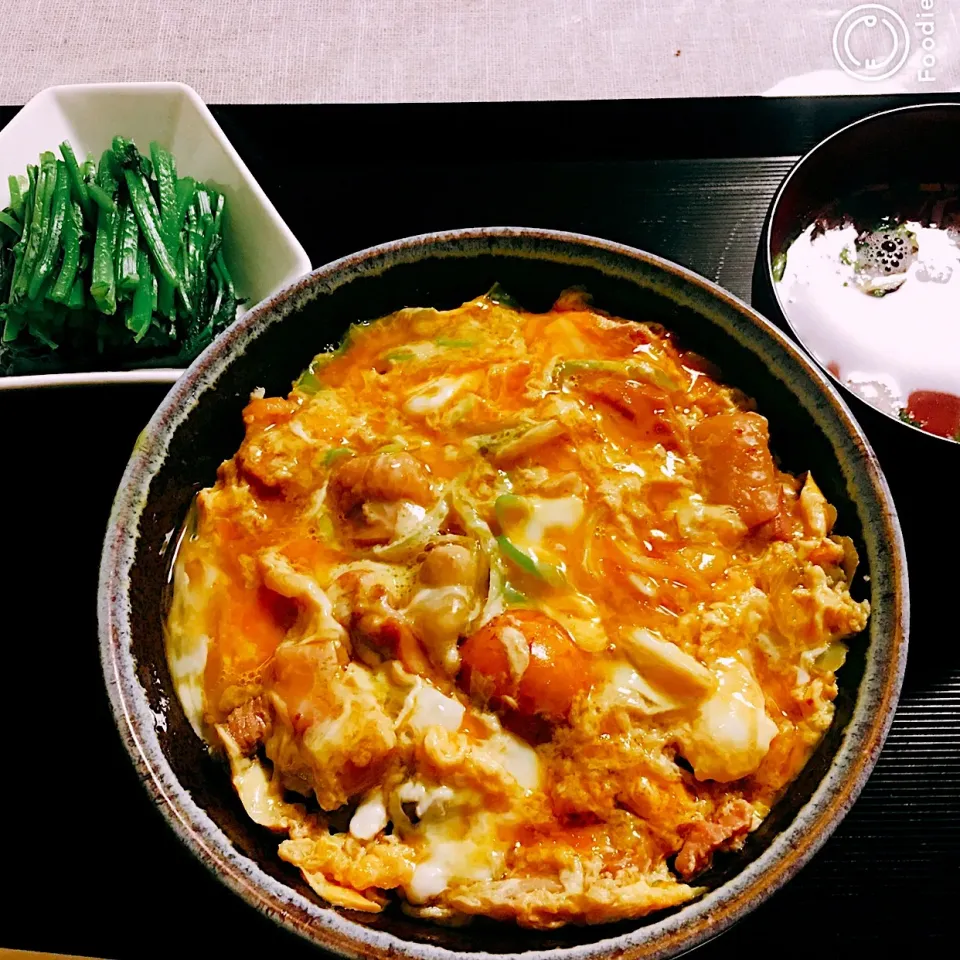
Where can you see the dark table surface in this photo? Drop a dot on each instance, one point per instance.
(91, 869)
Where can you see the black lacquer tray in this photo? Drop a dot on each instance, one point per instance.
(90, 869)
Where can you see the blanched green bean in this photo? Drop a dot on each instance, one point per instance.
(165, 171)
(42, 201)
(19, 248)
(145, 207)
(103, 286)
(51, 247)
(142, 312)
(78, 298)
(101, 198)
(78, 186)
(127, 261)
(16, 197)
(71, 254)
(11, 222)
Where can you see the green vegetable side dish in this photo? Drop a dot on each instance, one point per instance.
(113, 263)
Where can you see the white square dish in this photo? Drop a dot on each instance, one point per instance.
(261, 251)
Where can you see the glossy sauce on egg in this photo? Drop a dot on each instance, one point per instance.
(509, 614)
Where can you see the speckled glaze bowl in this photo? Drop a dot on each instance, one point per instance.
(199, 425)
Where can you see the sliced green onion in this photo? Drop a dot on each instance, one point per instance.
(780, 264)
(335, 454)
(498, 295)
(634, 369)
(529, 564)
(513, 597)
(307, 382)
(518, 557)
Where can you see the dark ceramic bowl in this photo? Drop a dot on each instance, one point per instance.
(907, 146)
(199, 425)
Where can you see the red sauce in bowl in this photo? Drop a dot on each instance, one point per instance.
(935, 412)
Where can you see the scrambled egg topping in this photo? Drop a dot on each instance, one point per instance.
(509, 614)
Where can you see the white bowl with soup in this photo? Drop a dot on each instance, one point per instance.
(864, 257)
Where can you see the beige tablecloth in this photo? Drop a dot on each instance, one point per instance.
(254, 51)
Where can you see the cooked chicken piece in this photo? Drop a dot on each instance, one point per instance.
(737, 466)
(366, 491)
(364, 601)
(270, 456)
(644, 414)
(331, 734)
(380, 522)
(733, 822)
(440, 616)
(249, 723)
(362, 593)
(449, 564)
(443, 607)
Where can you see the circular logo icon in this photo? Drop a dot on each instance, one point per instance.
(871, 42)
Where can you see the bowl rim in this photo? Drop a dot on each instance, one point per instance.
(767, 240)
(691, 926)
(90, 378)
